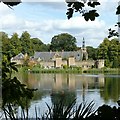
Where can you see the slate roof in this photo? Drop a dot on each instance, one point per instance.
(48, 56)
(20, 56)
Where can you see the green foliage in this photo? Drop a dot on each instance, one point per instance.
(118, 10)
(79, 6)
(110, 50)
(90, 15)
(92, 52)
(60, 111)
(14, 93)
(64, 42)
(24, 44)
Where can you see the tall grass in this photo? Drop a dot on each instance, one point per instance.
(59, 111)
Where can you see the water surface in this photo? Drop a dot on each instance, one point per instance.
(102, 89)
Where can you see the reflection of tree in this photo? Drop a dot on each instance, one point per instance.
(30, 81)
(111, 89)
(39, 94)
(65, 95)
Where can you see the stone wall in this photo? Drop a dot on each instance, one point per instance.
(47, 64)
(71, 61)
(85, 64)
(58, 62)
(100, 63)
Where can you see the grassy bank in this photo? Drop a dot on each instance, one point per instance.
(37, 69)
(56, 71)
(103, 70)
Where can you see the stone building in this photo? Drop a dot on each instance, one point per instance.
(18, 59)
(67, 58)
(60, 59)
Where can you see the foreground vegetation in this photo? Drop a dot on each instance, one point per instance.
(59, 111)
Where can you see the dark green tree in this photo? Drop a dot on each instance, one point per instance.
(16, 44)
(36, 44)
(92, 52)
(102, 52)
(26, 43)
(5, 41)
(109, 50)
(64, 42)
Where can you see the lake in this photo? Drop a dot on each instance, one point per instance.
(102, 89)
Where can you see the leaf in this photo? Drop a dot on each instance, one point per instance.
(14, 68)
(69, 13)
(69, 4)
(90, 15)
(78, 5)
(11, 2)
(118, 10)
(93, 4)
(118, 102)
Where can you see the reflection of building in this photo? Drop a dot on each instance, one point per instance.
(62, 81)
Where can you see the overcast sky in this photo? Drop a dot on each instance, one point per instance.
(48, 18)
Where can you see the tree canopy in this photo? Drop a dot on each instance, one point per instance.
(110, 51)
(64, 42)
(23, 44)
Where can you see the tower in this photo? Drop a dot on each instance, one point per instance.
(84, 51)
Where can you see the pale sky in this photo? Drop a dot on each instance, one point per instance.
(46, 19)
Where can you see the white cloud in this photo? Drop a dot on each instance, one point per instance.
(4, 9)
(93, 31)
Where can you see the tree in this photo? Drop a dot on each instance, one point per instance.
(36, 44)
(92, 52)
(16, 44)
(102, 52)
(26, 43)
(114, 52)
(103, 49)
(109, 50)
(64, 42)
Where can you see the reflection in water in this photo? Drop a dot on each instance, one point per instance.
(67, 97)
(99, 88)
(111, 89)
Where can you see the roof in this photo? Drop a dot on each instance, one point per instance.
(18, 57)
(48, 56)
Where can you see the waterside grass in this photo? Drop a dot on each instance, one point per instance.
(37, 69)
(103, 71)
